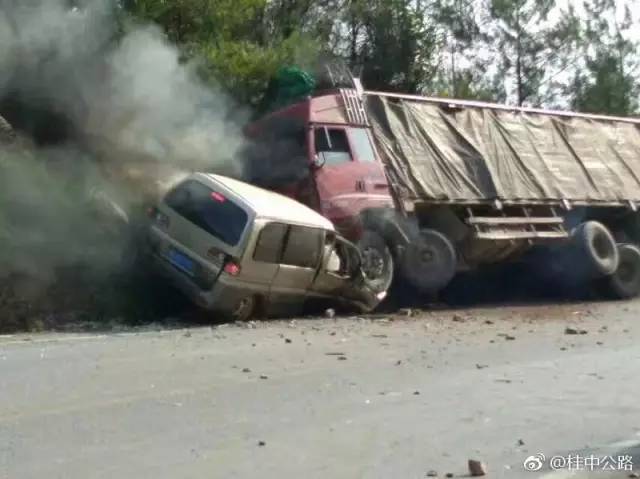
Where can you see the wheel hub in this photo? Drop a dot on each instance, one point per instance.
(372, 263)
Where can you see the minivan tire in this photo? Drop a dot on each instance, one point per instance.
(429, 262)
(245, 309)
(597, 247)
(377, 261)
(624, 283)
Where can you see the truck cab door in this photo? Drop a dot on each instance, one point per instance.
(348, 175)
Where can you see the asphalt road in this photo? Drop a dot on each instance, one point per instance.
(346, 398)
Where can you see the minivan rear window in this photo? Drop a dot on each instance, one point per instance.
(210, 210)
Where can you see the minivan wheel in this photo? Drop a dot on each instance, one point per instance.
(625, 282)
(244, 309)
(377, 261)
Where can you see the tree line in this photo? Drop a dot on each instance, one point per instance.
(545, 53)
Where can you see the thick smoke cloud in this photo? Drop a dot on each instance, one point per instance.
(100, 114)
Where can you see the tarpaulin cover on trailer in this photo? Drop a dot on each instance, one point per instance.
(439, 153)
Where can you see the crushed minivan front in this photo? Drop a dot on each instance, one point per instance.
(241, 251)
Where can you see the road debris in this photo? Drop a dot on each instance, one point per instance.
(330, 313)
(287, 340)
(262, 443)
(432, 473)
(481, 366)
(246, 370)
(570, 330)
(477, 468)
(264, 376)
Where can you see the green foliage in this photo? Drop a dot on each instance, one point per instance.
(519, 51)
(607, 83)
(245, 68)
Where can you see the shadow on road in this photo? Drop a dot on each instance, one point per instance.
(84, 304)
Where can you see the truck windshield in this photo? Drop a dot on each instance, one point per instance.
(362, 149)
(332, 146)
(209, 210)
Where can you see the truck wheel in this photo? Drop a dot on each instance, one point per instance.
(429, 262)
(625, 282)
(7, 134)
(377, 262)
(597, 248)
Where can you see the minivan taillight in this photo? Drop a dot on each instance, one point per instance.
(232, 268)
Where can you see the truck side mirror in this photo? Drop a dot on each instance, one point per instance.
(318, 161)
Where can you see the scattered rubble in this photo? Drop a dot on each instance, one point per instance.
(571, 330)
(477, 468)
(432, 473)
(330, 313)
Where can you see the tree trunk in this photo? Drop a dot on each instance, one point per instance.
(519, 79)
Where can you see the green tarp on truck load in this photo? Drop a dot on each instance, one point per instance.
(474, 153)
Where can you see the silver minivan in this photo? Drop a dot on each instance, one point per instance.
(242, 251)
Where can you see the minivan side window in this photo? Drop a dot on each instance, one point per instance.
(304, 247)
(332, 146)
(270, 243)
(290, 245)
(209, 210)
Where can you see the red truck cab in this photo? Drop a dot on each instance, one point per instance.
(322, 154)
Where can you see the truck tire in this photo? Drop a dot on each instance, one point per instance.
(429, 263)
(597, 248)
(377, 261)
(624, 283)
(7, 134)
